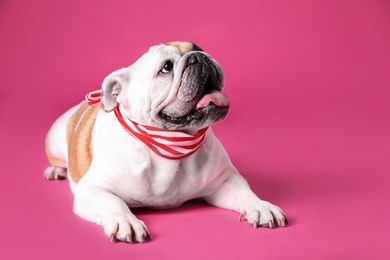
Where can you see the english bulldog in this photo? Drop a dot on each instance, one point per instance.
(145, 140)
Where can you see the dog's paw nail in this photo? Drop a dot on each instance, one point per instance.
(146, 238)
(271, 224)
(129, 239)
(255, 224)
(113, 238)
(240, 218)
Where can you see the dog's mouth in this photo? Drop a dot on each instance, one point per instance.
(212, 106)
(215, 100)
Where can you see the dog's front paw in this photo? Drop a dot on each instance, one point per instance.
(126, 228)
(264, 214)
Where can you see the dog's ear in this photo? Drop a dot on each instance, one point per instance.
(112, 87)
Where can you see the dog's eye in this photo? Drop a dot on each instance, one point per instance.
(168, 66)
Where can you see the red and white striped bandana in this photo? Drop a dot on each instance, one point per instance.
(171, 145)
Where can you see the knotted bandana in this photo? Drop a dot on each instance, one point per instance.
(171, 145)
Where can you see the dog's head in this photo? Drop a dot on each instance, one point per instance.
(174, 86)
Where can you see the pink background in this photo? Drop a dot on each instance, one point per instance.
(309, 126)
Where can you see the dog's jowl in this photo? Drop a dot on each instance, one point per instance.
(144, 139)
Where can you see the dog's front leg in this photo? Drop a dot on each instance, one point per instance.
(104, 208)
(235, 194)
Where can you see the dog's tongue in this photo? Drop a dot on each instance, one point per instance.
(217, 97)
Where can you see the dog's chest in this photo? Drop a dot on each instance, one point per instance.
(162, 184)
(140, 177)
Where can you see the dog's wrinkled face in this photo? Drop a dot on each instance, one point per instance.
(175, 86)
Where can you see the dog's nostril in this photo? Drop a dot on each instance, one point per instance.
(192, 60)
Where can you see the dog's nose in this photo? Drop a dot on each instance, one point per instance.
(192, 60)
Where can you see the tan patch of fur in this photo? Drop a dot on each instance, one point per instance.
(79, 139)
(184, 47)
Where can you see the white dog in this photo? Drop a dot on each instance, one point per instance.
(147, 142)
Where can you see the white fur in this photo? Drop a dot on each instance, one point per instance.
(125, 173)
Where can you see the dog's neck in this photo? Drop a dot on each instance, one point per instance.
(173, 145)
